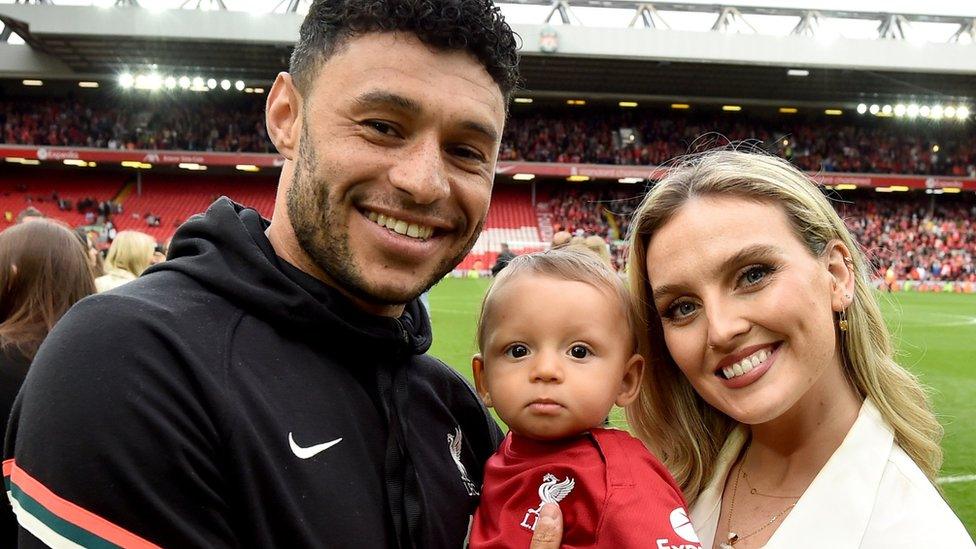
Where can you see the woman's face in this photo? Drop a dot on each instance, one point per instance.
(747, 310)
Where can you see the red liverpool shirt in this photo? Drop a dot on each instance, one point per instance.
(613, 493)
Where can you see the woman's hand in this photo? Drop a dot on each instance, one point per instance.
(549, 529)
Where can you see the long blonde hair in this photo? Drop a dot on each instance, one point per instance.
(669, 415)
(131, 251)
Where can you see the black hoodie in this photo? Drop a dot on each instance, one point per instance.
(227, 399)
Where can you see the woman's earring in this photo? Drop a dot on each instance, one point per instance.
(842, 321)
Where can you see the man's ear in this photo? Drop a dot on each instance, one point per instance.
(283, 115)
(840, 266)
(480, 382)
(631, 382)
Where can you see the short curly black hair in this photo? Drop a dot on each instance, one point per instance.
(475, 26)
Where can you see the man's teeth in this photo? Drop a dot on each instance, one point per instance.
(401, 227)
(746, 365)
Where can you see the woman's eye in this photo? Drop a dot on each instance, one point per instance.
(755, 274)
(680, 310)
(579, 351)
(517, 351)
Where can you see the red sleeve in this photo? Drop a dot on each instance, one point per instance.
(645, 507)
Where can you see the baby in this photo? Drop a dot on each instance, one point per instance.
(558, 350)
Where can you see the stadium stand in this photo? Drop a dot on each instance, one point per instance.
(512, 220)
(41, 189)
(644, 137)
(138, 122)
(171, 199)
(654, 137)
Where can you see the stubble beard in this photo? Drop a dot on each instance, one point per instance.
(322, 236)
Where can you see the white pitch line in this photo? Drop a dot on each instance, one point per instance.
(957, 478)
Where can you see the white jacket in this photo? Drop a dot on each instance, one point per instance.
(869, 495)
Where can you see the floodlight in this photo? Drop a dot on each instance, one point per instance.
(937, 112)
(225, 84)
(900, 110)
(886, 109)
(211, 83)
(874, 109)
(924, 111)
(862, 108)
(962, 113)
(950, 112)
(198, 82)
(184, 82)
(912, 110)
(170, 82)
(239, 85)
(126, 80)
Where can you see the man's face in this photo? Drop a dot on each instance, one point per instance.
(395, 165)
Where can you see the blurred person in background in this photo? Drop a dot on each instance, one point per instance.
(91, 251)
(30, 213)
(43, 272)
(130, 254)
(561, 238)
(599, 246)
(504, 257)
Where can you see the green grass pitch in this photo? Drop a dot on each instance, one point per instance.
(935, 335)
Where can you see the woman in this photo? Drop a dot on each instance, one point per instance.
(43, 272)
(130, 253)
(771, 393)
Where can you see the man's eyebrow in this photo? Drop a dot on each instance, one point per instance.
(381, 98)
(483, 129)
(749, 253)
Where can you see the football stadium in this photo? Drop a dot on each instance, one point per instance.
(132, 116)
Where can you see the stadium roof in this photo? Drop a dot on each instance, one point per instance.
(669, 62)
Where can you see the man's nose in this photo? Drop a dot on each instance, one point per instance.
(420, 171)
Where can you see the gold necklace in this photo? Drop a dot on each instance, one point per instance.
(756, 492)
(732, 538)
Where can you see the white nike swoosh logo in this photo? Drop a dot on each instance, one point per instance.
(305, 453)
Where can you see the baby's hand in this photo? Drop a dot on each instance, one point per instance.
(549, 529)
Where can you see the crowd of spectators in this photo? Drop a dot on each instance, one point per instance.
(649, 138)
(192, 124)
(634, 137)
(918, 238)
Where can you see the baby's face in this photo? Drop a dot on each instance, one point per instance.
(556, 357)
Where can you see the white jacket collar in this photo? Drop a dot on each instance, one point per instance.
(836, 507)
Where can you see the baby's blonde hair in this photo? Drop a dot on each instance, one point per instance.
(572, 264)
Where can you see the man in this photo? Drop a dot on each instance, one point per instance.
(503, 259)
(267, 386)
